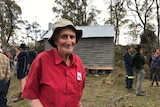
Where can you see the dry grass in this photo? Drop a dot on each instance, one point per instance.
(105, 91)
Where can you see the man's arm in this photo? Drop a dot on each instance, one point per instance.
(35, 103)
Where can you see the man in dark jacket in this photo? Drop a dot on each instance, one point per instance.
(32, 55)
(22, 68)
(128, 65)
(138, 63)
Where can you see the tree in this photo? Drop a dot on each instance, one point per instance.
(158, 19)
(143, 9)
(33, 31)
(151, 35)
(77, 11)
(134, 30)
(117, 16)
(9, 14)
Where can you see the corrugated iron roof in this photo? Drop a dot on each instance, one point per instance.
(92, 31)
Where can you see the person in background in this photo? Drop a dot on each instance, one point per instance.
(4, 78)
(151, 65)
(32, 56)
(138, 64)
(7, 52)
(129, 68)
(17, 49)
(22, 67)
(156, 66)
(57, 76)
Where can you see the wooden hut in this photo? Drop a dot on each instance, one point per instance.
(95, 48)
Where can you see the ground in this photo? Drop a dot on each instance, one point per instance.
(107, 90)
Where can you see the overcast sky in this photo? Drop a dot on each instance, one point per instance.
(41, 12)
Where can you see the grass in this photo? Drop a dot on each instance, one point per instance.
(105, 91)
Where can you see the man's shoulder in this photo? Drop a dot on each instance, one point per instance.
(3, 56)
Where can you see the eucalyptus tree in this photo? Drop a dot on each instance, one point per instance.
(117, 18)
(158, 19)
(144, 10)
(9, 14)
(151, 35)
(32, 31)
(78, 11)
(134, 30)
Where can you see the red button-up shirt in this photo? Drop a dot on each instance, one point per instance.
(53, 82)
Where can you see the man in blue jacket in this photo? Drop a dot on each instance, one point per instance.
(129, 70)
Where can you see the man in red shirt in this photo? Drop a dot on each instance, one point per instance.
(57, 76)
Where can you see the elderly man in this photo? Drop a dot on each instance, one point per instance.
(57, 76)
(4, 78)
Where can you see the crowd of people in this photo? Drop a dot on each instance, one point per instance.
(19, 60)
(134, 64)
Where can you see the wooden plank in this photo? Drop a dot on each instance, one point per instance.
(99, 67)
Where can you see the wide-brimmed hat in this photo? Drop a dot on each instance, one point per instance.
(63, 23)
(23, 46)
(6, 49)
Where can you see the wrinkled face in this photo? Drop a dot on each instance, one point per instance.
(65, 41)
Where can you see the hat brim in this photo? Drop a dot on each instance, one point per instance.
(78, 34)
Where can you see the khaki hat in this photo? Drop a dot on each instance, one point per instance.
(63, 23)
(6, 49)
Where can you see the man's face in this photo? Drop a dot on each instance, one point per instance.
(66, 41)
(130, 49)
(157, 51)
(8, 54)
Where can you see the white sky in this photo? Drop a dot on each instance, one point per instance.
(37, 10)
(41, 12)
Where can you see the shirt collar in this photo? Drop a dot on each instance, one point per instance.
(58, 58)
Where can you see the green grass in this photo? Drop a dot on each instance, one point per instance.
(105, 91)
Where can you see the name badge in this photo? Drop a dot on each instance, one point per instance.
(79, 76)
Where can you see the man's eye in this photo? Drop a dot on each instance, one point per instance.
(64, 36)
(68, 36)
(72, 36)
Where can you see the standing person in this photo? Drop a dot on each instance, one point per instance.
(57, 76)
(156, 66)
(129, 69)
(151, 65)
(22, 70)
(7, 52)
(4, 78)
(17, 49)
(32, 56)
(138, 63)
